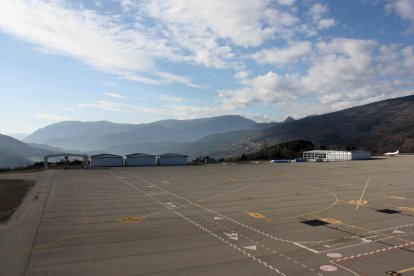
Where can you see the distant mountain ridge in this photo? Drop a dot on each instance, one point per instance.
(379, 127)
(102, 135)
(14, 153)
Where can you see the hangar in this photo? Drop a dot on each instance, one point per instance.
(336, 155)
(107, 160)
(140, 159)
(172, 159)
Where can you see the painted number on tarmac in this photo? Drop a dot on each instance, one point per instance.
(131, 220)
(406, 209)
(330, 220)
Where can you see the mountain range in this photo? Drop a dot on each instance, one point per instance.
(14, 153)
(381, 126)
(124, 138)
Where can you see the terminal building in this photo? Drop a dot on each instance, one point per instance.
(335, 155)
(140, 159)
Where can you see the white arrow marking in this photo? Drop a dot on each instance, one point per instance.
(398, 232)
(253, 247)
(216, 218)
(232, 236)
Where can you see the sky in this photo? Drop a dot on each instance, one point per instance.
(129, 61)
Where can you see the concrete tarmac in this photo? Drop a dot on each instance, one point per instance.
(334, 218)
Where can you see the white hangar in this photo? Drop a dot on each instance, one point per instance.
(172, 159)
(335, 155)
(107, 160)
(140, 159)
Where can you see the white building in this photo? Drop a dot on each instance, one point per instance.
(107, 160)
(335, 155)
(172, 159)
(140, 159)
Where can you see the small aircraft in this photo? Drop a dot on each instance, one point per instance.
(392, 153)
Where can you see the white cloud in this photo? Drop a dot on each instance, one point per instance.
(114, 95)
(106, 105)
(97, 40)
(283, 56)
(171, 99)
(340, 73)
(51, 117)
(268, 88)
(326, 23)
(241, 21)
(403, 8)
(109, 84)
(317, 10)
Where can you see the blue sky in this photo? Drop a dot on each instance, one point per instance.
(140, 61)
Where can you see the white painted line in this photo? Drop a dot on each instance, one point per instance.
(398, 232)
(305, 247)
(334, 255)
(217, 218)
(328, 268)
(253, 247)
(362, 195)
(347, 269)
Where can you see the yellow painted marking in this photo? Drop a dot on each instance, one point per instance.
(406, 270)
(358, 202)
(265, 177)
(258, 216)
(406, 209)
(397, 197)
(330, 220)
(231, 178)
(130, 220)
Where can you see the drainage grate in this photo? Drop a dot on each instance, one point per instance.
(315, 222)
(388, 211)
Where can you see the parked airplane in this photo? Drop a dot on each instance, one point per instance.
(392, 153)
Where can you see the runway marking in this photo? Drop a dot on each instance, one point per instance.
(345, 268)
(131, 220)
(398, 232)
(217, 218)
(375, 252)
(363, 192)
(227, 228)
(330, 220)
(328, 268)
(358, 202)
(317, 211)
(410, 209)
(397, 197)
(305, 247)
(253, 247)
(247, 238)
(258, 216)
(165, 182)
(406, 270)
(201, 227)
(232, 236)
